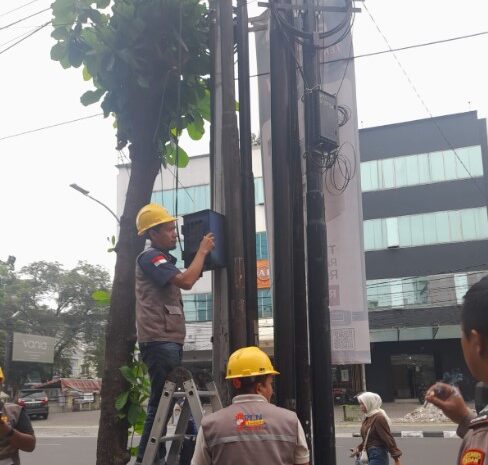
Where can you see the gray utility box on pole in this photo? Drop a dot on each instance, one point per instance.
(195, 226)
(326, 121)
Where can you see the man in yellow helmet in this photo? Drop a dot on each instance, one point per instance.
(16, 432)
(160, 319)
(251, 430)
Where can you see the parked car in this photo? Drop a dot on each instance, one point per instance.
(35, 402)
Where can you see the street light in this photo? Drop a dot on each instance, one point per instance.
(87, 194)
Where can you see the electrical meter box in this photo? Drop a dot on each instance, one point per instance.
(326, 121)
(195, 226)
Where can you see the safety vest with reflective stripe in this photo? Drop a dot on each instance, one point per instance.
(250, 433)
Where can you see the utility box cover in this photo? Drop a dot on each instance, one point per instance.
(195, 226)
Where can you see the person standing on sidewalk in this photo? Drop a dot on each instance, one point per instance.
(472, 427)
(251, 431)
(160, 320)
(16, 432)
(376, 433)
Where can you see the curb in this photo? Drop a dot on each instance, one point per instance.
(410, 434)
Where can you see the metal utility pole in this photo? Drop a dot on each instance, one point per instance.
(317, 270)
(248, 201)
(7, 366)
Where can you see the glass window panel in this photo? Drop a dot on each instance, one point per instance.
(429, 226)
(384, 293)
(368, 232)
(261, 245)
(449, 165)
(369, 176)
(408, 289)
(400, 171)
(396, 290)
(455, 226)
(388, 172)
(436, 164)
(379, 234)
(460, 286)
(424, 170)
(265, 305)
(468, 224)
(258, 191)
(475, 161)
(417, 228)
(392, 239)
(481, 223)
(462, 163)
(413, 175)
(442, 227)
(421, 291)
(404, 231)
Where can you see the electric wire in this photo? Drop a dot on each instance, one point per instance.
(422, 101)
(30, 131)
(23, 19)
(18, 8)
(26, 37)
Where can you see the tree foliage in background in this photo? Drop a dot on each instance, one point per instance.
(49, 300)
(148, 61)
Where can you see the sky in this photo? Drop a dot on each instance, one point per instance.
(42, 218)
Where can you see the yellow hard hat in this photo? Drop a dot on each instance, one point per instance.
(151, 215)
(1, 375)
(249, 361)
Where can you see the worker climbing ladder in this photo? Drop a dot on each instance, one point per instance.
(192, 407)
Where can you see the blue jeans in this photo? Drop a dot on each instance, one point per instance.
(160, 358)
(377, 456)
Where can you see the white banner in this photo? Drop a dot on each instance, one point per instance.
(344, 216)
(33, 348)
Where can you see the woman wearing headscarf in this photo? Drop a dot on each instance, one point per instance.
(375, 432)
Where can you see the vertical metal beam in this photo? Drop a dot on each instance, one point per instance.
(282, 269)
(248, 202)
(317, 269)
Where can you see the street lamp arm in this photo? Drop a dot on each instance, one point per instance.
(104, 206)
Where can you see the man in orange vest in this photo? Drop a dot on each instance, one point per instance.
(251, 430)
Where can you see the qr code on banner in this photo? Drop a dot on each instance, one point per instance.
(343, 339)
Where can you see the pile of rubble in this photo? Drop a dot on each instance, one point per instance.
(427, 414)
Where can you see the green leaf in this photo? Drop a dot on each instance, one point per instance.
(60, 33)
(121, 400)
(134, 449)
(195, 128)
(59, 51)
(86, 74)
(176, 156)
(128, 374)
(203, 106)
(103, 3)
(101, 296)
(133, 413)
(91, 96)
(237, 105)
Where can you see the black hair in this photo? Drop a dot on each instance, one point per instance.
(249, 382)
(474, 314)
(155, 228)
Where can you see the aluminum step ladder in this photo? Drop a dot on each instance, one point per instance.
(192, 405)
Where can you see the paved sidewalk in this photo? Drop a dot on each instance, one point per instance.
(85, 424)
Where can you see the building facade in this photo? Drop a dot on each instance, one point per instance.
(424, 189)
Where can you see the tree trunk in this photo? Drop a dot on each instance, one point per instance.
(120, 333)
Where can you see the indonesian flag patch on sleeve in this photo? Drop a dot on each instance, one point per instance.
(159, 260)
(473, 457)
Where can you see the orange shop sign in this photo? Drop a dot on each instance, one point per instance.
(263, 273)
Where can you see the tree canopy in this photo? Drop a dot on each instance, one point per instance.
(146, 58)
(46, 299)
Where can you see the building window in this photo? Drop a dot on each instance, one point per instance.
(427, 228)
(420, 291)
(198, 307)
(261, 246)
(423, 168)
(258, 191)
(265, 303)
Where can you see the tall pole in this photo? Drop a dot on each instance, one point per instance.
(317, 270)
(7, 368)
(283, 308)
(248, 202)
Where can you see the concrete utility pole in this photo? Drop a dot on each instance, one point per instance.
(248, 199)
(229, 319)
(317, 273)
